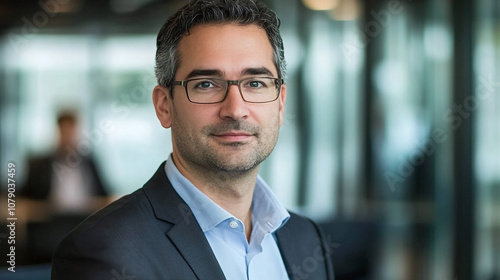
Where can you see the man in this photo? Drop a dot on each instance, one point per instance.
(206, 214)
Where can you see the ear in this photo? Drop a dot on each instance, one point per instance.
(163, 105)
(282, 100)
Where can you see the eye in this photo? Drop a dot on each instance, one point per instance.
(256, 83)
(204, 84)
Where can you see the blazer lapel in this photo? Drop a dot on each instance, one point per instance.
(196, 251)
(288, 251)
(185, 233)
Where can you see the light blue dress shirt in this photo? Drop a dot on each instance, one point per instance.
(259, 260)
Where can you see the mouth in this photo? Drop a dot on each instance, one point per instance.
(233, 136)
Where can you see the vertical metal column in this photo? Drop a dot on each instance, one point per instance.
(370, 53)
(464, 189)
(303, 114)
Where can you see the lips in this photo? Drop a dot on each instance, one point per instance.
(233, 136)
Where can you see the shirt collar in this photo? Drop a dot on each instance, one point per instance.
(266, 209)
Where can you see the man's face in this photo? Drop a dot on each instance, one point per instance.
(68, 133)
(232, 136)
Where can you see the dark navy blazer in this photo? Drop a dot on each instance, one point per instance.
(152, 234)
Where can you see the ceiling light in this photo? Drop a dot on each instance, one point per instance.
(321, 5)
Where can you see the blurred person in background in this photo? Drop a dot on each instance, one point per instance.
(61, 189)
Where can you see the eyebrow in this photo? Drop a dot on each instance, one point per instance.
(219, 73)
(256, 71)
(204, 72)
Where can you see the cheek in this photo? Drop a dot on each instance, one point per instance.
(268, 119)
(189, 119)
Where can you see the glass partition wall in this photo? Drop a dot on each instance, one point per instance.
(487, 139)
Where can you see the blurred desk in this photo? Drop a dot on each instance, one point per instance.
(39, 231)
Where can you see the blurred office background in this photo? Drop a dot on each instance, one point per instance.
(392, 132)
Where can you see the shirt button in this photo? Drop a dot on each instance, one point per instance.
(233, 224)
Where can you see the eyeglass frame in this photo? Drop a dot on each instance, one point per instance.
(229, 83)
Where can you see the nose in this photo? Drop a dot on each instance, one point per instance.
(234, 107)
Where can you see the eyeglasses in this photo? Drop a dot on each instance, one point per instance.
(214, 90)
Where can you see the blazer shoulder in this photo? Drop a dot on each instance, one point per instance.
(129, 222)
(112, 239)
(105, 227)
(305, 250)
(133, 209)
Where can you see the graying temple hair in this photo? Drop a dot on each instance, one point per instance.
(198, 12)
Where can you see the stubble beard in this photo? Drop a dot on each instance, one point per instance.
(224, 160)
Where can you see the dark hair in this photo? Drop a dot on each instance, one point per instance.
(197, 12)
(67, 116)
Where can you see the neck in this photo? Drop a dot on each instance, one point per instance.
(231, 191)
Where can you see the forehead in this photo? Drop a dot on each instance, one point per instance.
(229, 48)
